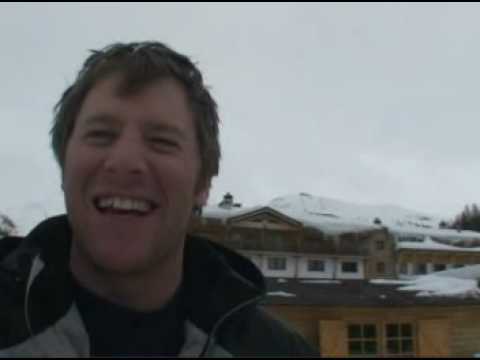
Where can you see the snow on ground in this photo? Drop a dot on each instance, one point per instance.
(389, 282)
(434, 285)
(471, 272)
(281, 294)
(321, 282)
(458, 282)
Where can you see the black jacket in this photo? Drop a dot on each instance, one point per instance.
(39, 317)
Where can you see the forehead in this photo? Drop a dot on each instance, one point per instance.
(164, 99)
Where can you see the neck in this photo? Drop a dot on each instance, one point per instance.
(141, 291)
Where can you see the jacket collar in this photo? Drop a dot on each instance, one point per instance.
(216, 280)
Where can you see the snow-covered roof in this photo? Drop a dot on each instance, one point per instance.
(430, 244)
(296, 208)
(217, 212)
(446, 234)
(398, 220)
(336, 217)
(323, 214)
(425, 291)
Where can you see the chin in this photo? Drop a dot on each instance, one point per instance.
(124, 263)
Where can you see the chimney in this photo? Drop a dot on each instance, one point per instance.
(227, 202)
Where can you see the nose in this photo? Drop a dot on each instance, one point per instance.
(125, 157)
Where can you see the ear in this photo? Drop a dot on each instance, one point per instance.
(202, 194)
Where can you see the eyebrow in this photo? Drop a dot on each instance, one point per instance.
(151, 126)
(155, 127)
(103, 118)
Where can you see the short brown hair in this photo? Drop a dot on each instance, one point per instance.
(141, 63)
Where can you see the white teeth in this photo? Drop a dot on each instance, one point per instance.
(105, 202)
(141, 206)
(121, 204)
(124, 204)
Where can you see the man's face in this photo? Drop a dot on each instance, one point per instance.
(131, 176)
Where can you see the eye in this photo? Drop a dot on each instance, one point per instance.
(100, 136)
(164, 141)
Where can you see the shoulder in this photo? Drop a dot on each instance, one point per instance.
(257, 332)
(8, 244)
(12, 285)
(9, 258)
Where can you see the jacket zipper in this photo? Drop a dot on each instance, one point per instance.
(35, 268)
(211, 336)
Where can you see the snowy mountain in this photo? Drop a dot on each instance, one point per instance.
(7, 227)
(26, 217)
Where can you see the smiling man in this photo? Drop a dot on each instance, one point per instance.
(136, 138)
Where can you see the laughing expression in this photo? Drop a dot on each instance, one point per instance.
(131, 176)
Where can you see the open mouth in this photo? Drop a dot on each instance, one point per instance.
(119, 205)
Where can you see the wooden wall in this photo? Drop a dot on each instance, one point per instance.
(441, 331)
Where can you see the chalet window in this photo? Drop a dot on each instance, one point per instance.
(381, 340)
(316, 265)
(350, 267)
(439, 267)
(362, 339)
(380, 245)
(404, 268)
(399, 339)
(277, 263)
(380, 268)
(420, 269)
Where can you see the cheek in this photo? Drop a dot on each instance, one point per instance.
(69, 171)
(78, 169)
(174, 172)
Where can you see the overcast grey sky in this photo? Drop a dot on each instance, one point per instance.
(370, 103)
